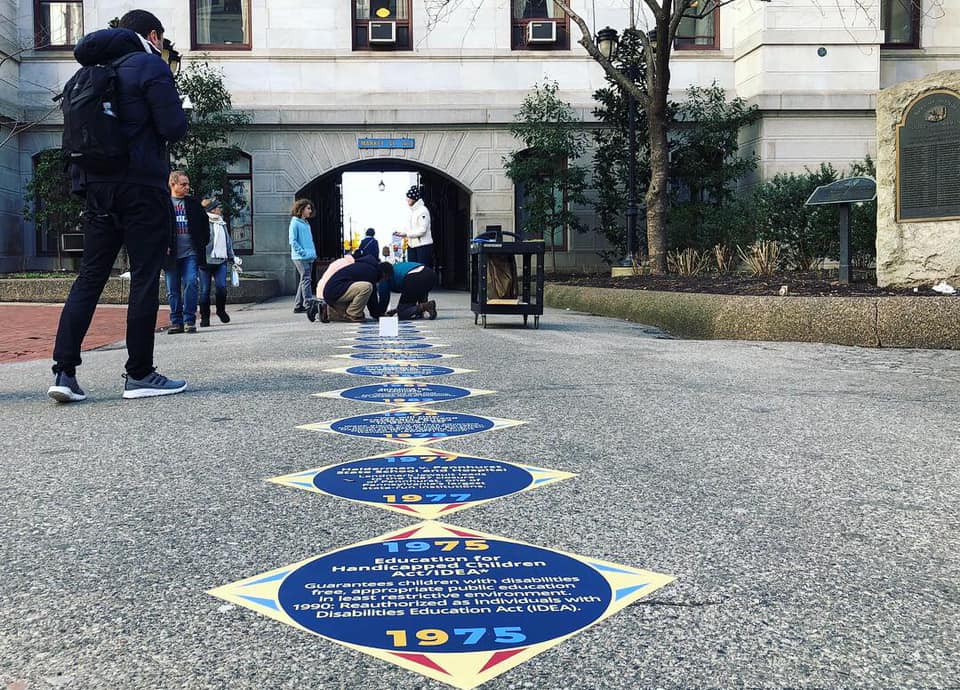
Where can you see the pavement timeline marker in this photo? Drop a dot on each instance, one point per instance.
(402, 345)
(394, 370)
(425, 483)
(458, 606)
(403, 393)
(396, 355)
(418, 426)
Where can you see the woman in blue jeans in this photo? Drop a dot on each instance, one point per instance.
(303, 253)
(219, 256)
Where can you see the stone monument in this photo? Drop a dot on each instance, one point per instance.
(918, 182)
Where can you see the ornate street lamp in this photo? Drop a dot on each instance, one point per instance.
(607, 43)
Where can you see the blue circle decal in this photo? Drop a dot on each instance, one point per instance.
(412, 425)
(399, 370)
(392, 345)
(423, 478)
(397, 356)
(444, 595)
(405, 392)
(390, 339)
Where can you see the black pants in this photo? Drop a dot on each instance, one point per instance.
(118, 214)
(422, 255)
(417, 286)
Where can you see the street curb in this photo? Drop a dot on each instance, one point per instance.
(917, 322)
(55, 290)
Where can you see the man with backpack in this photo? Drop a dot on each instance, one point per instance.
(120, 110)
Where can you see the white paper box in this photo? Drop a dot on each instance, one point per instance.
(389, 326)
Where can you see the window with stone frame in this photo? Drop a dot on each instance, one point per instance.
(700, 28)
(382, 13)
(900, 20)
(57, 24)
(240, 179)
(522, 12)
(220, 25)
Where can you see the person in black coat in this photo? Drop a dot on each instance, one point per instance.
(347, 292)
(368, 246)
(188, 250)
(128, 206)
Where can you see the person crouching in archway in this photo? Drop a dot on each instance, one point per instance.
(413, 281)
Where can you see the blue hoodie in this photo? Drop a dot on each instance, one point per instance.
(148, 106)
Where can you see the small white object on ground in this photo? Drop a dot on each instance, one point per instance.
(944, 288)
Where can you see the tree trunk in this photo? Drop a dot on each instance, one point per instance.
(657, 192)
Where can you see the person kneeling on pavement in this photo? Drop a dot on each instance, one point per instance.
(347, 291)
(413, 281)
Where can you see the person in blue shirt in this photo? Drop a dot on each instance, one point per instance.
(368, 246)
(413, 281)
(303, 253)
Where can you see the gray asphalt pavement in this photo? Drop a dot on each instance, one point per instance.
(804, 496)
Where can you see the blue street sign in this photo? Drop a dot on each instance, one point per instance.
(373, 143)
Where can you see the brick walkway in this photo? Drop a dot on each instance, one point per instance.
(29, 329)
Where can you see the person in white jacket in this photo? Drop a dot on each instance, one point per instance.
(419, 239)
(219, 255)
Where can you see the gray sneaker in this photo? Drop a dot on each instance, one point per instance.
(151, 385)
(66, 389)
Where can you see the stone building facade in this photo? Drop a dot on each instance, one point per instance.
(451, 84)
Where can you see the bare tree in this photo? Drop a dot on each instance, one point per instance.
(13, 126)
(664, 17)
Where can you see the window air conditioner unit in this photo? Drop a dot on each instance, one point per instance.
(72, 242)
(383, 32)
(542, 32)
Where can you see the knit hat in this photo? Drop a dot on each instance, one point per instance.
(415, 192)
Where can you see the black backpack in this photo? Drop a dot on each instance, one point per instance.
(92, 137)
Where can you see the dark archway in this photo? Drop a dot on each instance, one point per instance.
(447, 199)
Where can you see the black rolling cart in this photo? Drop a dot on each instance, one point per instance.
(495, 287)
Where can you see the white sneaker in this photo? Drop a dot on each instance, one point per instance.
(151, 385)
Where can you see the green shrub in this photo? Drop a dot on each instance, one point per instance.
(805, 233)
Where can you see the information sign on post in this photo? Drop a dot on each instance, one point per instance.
(422, 482)
(458, 606)
(843, 193)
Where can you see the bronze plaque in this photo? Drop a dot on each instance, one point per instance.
(928, 159)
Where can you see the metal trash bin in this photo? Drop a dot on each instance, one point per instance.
(495, 287)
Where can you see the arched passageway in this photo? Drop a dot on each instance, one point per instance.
(447, 199)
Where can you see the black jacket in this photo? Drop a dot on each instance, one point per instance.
(147, 104)
(366, 269)
(199, 226)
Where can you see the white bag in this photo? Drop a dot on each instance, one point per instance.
(389, 326)
(234, 276)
